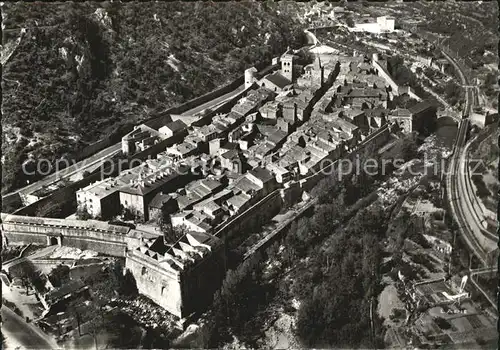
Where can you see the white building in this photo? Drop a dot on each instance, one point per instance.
(386, 23)
(383, 24)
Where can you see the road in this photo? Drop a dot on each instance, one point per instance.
(109, 152)
(215, 102)
(311, 38)
(97, 159)
(19, 334)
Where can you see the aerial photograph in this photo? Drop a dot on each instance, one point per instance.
(249, 175)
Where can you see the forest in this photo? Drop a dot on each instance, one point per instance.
(334, 257)
(82, 70)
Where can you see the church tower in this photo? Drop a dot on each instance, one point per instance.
(287, 66)
(320, 70)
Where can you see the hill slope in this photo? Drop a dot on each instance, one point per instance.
(81, 70)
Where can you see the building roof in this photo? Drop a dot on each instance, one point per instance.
(72, 286)
(159, 200)
(262, 174)
(230, 146)
(278, 79)
(142, 132)
(190, 248)
(103, 188)
(142, 186)
(421, 107)
(176, 126)
(231, 154)
(400, 112)
(207, 206)
(277, 137)
(206, 130)
(239, 200)
(352, 112)
(245, 185)
(263, 149)
(376, 112)
(277, 169)
(188, 200)
(220, 127)
(211, 184)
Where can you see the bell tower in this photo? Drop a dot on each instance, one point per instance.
(287, 66)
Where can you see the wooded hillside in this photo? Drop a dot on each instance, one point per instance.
(83, 69)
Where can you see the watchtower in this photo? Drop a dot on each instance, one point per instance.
(250, 77)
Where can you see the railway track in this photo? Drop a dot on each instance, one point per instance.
(453, 181)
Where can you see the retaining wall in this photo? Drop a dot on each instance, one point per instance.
(248, 221)
(46, 265)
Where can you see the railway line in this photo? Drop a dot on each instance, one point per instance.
(471, 231)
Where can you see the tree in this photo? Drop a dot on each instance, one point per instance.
(409, 148)
(30, 276)
(59, 275)
(350, 22)
(51, 209)
(237, 299)
(96, 320)
(82, 213)
(129, 285)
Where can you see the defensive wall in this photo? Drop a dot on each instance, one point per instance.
(251, 219)
(62, 195)
(46, 265)
(113, 240)
(223, 108)
(65, 196)
(293, 192)
(371, 142)
(158, 121)
(159, 147)
(94, 235)
(268, 207)
(413, 95)
(107, 141)
(381, 71)
(276, 233)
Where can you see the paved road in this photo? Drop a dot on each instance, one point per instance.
(215, 101)
(100, 157)
(21, 335)
(96, 159)
(311, 38)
